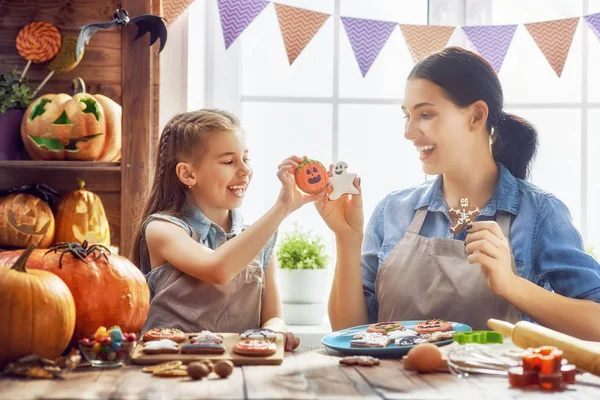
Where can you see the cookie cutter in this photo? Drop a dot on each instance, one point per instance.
(481, 337)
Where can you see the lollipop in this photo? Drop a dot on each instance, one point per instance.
(37, 42)
(64, 60)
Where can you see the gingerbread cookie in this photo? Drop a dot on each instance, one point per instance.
(255, 347)
(163, 346)
(400, 334)
(366, 361)
(178, 372)
(437, 336)
(370, 339)
(341, 181)
(203, 348)
(462, 216)
(164, 333)
(410, 341)
(311, 176)
(207, 336)
(262, 333)
(386, 327)
(162, 367)
(432, 325)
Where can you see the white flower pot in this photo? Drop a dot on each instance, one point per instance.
(304, 285)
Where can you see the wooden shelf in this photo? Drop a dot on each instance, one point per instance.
(61, 165)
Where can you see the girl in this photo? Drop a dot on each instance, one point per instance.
(522, 256)
(204, 269)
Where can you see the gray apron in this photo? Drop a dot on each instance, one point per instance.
(192, 305)
(426, 278)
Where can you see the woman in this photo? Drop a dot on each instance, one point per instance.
(522, 257)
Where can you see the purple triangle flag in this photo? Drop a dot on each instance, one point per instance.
(236, 15)
(491, 41)
(594, 23)
(367, 38)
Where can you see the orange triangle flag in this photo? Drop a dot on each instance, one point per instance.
(174, 8)
(554, 39)
(298, 27)
(423, 40)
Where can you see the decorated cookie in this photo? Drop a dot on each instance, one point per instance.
(462, 216)
(410, 341)
(400, 334)
(432, 325)
(262, 333)
(207, 336)
(164, 333)
(366, 361)
(386, 327)
(341, 181)
(311, 176)
(437, 336)
(255, 347)
(203, 348)
(370, 339)
(162, 367)
(161, 346)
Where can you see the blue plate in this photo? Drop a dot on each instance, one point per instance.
(340, 341)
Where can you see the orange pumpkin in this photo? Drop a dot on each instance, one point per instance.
(61, 127)
(311, 176)
(108, 289)
(80, 217)
(25, 219)
(37, 309)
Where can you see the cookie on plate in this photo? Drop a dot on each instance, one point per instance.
(386, 327)
(164, 333)
(163, 346)
(400, 334)
(203, 348)
(410, 340)
(255, 347)
(261, 333)
(432, 325)
(370, 340)
(437, 336)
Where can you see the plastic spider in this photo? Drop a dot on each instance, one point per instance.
(81, 251)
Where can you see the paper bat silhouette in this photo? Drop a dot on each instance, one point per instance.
(146, 23)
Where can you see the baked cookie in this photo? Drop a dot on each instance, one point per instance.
(386, 327)
(164, 333)
(370, 339)
(400, 334)
(366, 361)
(207, 336)
(162, 367)
(437, 336)
(163, 346)
(432, 325)
(178, 372)
(410, 340)
(262, 334)
(255, 347)
(462, 216)
(203, 348)
(311, 176)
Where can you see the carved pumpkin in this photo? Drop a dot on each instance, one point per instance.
(61, 127)
(80, 216)
(25, 219)
(38, 311)
(108, 289)
(311, 176)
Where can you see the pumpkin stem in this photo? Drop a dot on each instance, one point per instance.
(20, 264)
(80, 184)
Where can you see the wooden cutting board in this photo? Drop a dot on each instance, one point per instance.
(229, 340)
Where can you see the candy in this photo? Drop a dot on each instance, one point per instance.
(38, 41)
(64, 61)
(96, 348)
(116, 334)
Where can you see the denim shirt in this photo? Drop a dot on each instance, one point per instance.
(547, 248)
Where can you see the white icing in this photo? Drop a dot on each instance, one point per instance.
(163, 344)
(341, 181)
(401, 334)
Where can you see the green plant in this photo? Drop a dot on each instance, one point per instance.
(302, 250)
(591, 252)
(14, 94)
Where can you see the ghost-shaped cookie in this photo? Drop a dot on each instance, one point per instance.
(341, 181)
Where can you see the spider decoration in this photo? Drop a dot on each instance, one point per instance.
(41, 190)
(81, 251)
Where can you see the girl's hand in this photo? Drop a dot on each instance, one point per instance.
(290, 197)
(343, 216)
(487, 246)
(290, 341)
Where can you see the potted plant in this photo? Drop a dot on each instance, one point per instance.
(303, 277)
(15, 96)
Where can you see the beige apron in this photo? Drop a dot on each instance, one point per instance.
(184, 302)
(425, 278)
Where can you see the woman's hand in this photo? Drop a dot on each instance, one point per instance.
(487, 246)
(290, 197)
(290, 341)
(343, 216)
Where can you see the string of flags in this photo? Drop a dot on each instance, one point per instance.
(368, 37)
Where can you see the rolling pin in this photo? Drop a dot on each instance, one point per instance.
(585, 355)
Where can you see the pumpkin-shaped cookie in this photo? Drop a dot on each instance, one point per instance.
(311, 176)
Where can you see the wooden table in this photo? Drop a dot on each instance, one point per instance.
(307, 373)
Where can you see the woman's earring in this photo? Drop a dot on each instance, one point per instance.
(189, 186)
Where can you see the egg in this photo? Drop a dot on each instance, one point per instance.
(424, 357)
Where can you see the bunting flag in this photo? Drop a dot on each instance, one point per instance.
(174, 8)
(554, 39)
(367, 38)
(593, 22)
(491, 41)
(236, 15)
(423, 40)
(298, 27)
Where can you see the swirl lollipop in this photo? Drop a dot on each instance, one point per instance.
(64, 61)
(38, 42)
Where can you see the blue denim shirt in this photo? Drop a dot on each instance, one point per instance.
(547, 248)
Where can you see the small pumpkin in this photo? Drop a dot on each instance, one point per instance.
(80, 217)
(61, 127)
(25, 219)
(108, 289)
(311, 176)
(37, 308)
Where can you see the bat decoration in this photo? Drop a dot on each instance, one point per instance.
(146, 23)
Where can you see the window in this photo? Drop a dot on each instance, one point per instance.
(322, 107)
